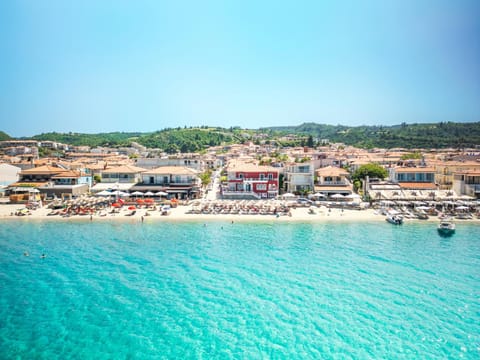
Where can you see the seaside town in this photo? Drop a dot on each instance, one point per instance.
(239, 179)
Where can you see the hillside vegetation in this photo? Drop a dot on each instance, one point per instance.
(4, 136)
(439, 135)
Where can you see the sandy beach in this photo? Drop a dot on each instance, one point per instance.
(182, 213)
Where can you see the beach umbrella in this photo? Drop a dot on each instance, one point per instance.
(337, 196)
(132, 207)
(137, 193)
(149, 201)
(353, 196)
(104, 193)
(140, 201)
(462, 207)
(149, 193)
(423, 208)
(161, 193)
(288, 195)
(116, 205)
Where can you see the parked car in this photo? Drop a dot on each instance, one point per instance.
(304, 201)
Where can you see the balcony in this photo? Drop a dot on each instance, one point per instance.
(334, 183)
(473, 187)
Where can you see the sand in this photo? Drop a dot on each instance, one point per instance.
(180, 214)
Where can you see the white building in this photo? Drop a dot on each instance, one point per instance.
(9, 174)
(299, 177)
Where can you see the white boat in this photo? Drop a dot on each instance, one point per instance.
(394, 219)
(165, 210)
(446, 227)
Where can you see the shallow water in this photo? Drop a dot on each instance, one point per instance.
(243, 290)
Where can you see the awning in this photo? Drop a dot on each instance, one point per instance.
(112, 186)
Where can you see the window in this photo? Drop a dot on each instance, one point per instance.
(262, 176)
(240, 176)
(270, 176)
(261, 187)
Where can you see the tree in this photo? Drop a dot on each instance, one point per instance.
(370, 170)
(206, 177)
(310, 141)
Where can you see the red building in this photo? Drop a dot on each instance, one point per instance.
(248, 180)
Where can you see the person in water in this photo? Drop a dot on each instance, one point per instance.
(26, 253)
(43, 256)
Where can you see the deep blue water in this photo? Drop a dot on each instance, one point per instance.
(243, 290)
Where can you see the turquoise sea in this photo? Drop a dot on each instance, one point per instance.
(111, 290)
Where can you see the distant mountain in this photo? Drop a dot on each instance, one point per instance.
(437, 135)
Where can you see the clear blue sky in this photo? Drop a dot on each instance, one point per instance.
(97, 66)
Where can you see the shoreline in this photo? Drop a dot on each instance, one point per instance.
(180, 214)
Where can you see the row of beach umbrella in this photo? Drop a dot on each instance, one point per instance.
(125, 194)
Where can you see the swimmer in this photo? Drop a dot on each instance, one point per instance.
(26, 253)
(43, 256)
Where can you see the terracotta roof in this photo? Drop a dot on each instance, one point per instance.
(124, 169)
(417, 185)
(241, 166)
(67, 175)
(171, 170)
(46, 169)
(331, 171)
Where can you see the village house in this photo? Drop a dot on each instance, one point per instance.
(51, 181)
(178, 182)
(194, 161)
(467, 183)
(120, 178)
(445, 170)
(298, 177)
(333, 180)
(247, 180)
(414, 178)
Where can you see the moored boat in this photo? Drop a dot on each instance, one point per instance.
(394, 219)
(446, 227)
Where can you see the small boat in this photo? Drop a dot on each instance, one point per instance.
(446, 227)
(165, 210)
(421, 215)
(394, 219)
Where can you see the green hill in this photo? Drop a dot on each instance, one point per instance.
(438, 135)
(4, 136)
